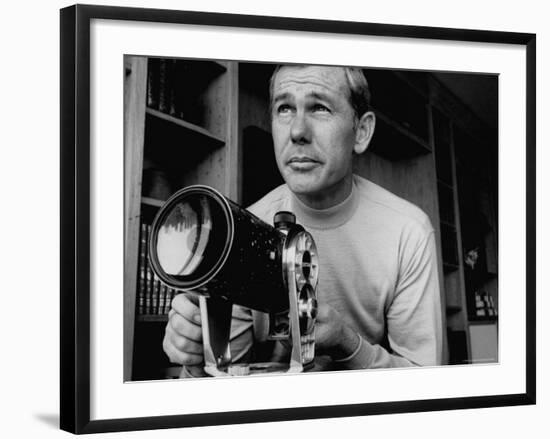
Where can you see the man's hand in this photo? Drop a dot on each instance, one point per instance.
(332, 335)
(183, 335)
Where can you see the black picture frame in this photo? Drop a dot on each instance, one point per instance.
(75, 217)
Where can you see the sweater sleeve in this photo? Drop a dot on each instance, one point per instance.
(413, 317)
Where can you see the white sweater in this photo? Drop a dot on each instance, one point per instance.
(378, 268)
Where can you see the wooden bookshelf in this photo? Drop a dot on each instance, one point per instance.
(210, 138)
(189, 137)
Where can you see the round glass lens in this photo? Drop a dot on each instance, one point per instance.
(183, 236)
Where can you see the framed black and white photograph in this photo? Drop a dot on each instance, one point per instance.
(339, 214)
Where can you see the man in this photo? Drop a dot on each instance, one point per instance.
(378, 291)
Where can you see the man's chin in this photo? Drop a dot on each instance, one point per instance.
(305, 183)
(301, 187)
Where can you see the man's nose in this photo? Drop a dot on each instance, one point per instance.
(300, 130)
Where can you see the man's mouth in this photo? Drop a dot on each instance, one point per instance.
(302, 163)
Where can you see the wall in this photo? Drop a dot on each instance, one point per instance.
(29, 323)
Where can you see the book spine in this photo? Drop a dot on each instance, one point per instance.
(153, 83)
(162, 299)
(142, 269)
(172, 66)
(164, 86)
(169, 297)
(155, 298)
(179, 89)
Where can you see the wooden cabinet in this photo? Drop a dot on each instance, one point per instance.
(188, 119)
(207, 122)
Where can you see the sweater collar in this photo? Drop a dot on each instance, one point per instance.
(330, 218)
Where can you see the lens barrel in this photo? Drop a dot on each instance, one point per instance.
(203, 242)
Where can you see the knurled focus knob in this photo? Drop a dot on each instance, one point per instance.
(284, 219)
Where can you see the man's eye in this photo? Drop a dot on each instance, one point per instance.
(283, 109)
(320, 108)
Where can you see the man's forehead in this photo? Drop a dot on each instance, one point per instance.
(330, 78)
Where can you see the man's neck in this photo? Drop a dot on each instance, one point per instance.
(330, 197)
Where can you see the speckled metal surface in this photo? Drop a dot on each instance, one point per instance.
(252, 275)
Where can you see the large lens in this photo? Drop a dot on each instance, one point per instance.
(182, 239)
(191, 238)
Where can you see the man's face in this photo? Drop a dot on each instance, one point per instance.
(313, 131)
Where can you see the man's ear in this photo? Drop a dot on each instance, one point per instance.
(364, 131)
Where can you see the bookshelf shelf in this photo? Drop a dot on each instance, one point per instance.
(185, 125)
(444, 184)
(152, 202)
(394, 142)
(453, 309)
(221, 66)
(448, 224)
(175, 145)
(210, 68)
(417, 80)
(477, 320)
(152, 318)
(449, 267)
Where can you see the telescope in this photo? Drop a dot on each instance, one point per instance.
(206, 245)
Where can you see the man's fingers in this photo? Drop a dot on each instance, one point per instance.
(179, 357)
(185, 344)
(181, 349)
(184, 306)
(183, 327)
(183, 337)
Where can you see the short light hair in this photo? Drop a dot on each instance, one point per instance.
(359, 92)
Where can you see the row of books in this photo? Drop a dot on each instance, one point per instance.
(154, 298)
(172, 89)
(485, 305)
